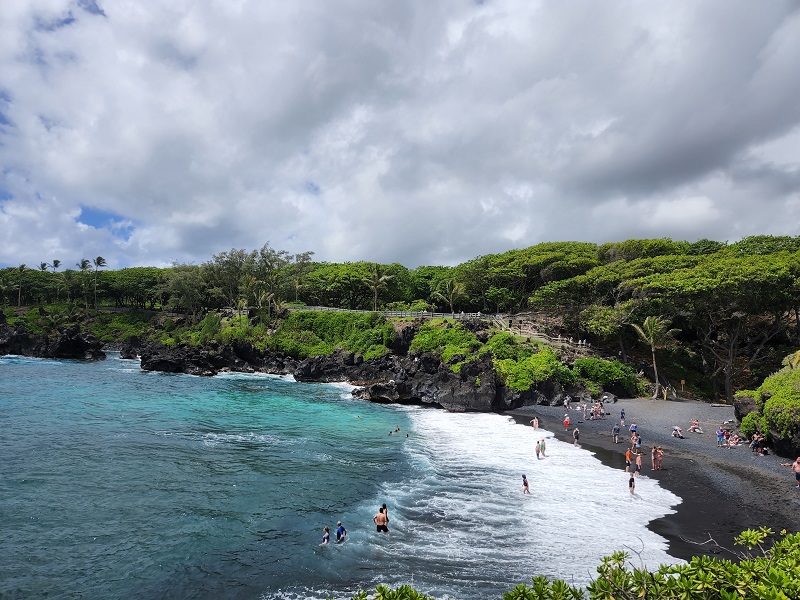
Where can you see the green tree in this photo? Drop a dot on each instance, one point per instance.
(55, 264)
(376, 281)
(20, 275)
(84, 267)
(655, 332)
(99, 263)
(451, 292)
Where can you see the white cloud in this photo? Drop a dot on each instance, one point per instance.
(420, 133)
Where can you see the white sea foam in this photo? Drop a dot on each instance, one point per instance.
(467, 507)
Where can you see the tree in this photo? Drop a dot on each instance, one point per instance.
(376, 282)
(43, 266)
(99, 263)
(20, 273)
(85, 266)
(55, 264)
(302, 264)
(451, 292)
(655, 332)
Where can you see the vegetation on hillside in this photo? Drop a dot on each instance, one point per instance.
(736, 306)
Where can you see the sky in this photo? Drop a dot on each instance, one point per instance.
(421, 132)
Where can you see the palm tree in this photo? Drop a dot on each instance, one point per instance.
(43, 266)
(375, 282)
(20, 271)
(453, 291)
(85, 266)
(99, 263)
(655, 332)
(55, 264)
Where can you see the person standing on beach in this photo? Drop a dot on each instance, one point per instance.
(538, 449)
(653, 458)
(638, 464)
(535, 423)
(622, 418)
(615, 433)
(720, 437)
(795, 469)
(566, 422)
(576, 434)
(381, 521)
(542, 447)
(627, 460)
(659, 457)
(525, 489)
(631, 484)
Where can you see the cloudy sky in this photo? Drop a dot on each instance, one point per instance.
(420, 132)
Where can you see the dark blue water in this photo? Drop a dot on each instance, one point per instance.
(116, 483)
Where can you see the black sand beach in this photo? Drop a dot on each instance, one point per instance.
(723, 491)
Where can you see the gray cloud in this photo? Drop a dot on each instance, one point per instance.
(419, 133)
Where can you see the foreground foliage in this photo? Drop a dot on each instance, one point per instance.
(768, 574)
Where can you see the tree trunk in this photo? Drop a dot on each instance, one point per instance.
(655, 372)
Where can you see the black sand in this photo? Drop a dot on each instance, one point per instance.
(723, 491)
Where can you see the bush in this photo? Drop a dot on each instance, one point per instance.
(609, 374)
(752, 423)
(772, 573)
(522, 375)
(309, 333)
(446, 340)
(505, 345)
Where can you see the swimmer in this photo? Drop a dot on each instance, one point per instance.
(341, 532)
(631, 484)
(326, 536)
(525, 489)
(380, 521)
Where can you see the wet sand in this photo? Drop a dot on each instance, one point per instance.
(723, 491)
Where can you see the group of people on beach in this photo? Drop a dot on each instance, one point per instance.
(381, 520)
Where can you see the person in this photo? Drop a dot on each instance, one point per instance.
(622, 418)
(653, 458)
(525, 489)
(676, 432)
(341, 532)
(326, 536)
(694, 426)
(795, 469)
(631, 484)
(615, 433)
(538, 449)
(535, 423)
(566, 422)
(385, 512)
(381, 521)
(543, 448)
(638, 464)
(720, 437)
(576, 434)
(659, 457)
(627, 460)
(633, 427)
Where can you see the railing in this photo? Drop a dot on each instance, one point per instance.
(399, 313)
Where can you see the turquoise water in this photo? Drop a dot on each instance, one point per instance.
(117, 483)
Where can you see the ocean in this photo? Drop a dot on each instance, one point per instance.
(120, 483)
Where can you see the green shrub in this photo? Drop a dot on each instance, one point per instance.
(120, 326)
(607, 373)
(522, 375)
(770, 573)
(752, 423)
(505, 345)
(309, 333)
(446, 340)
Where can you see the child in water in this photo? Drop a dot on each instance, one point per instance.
(525, 489)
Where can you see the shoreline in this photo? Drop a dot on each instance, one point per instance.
(722, 491)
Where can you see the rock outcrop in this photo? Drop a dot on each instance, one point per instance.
(69, 342)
